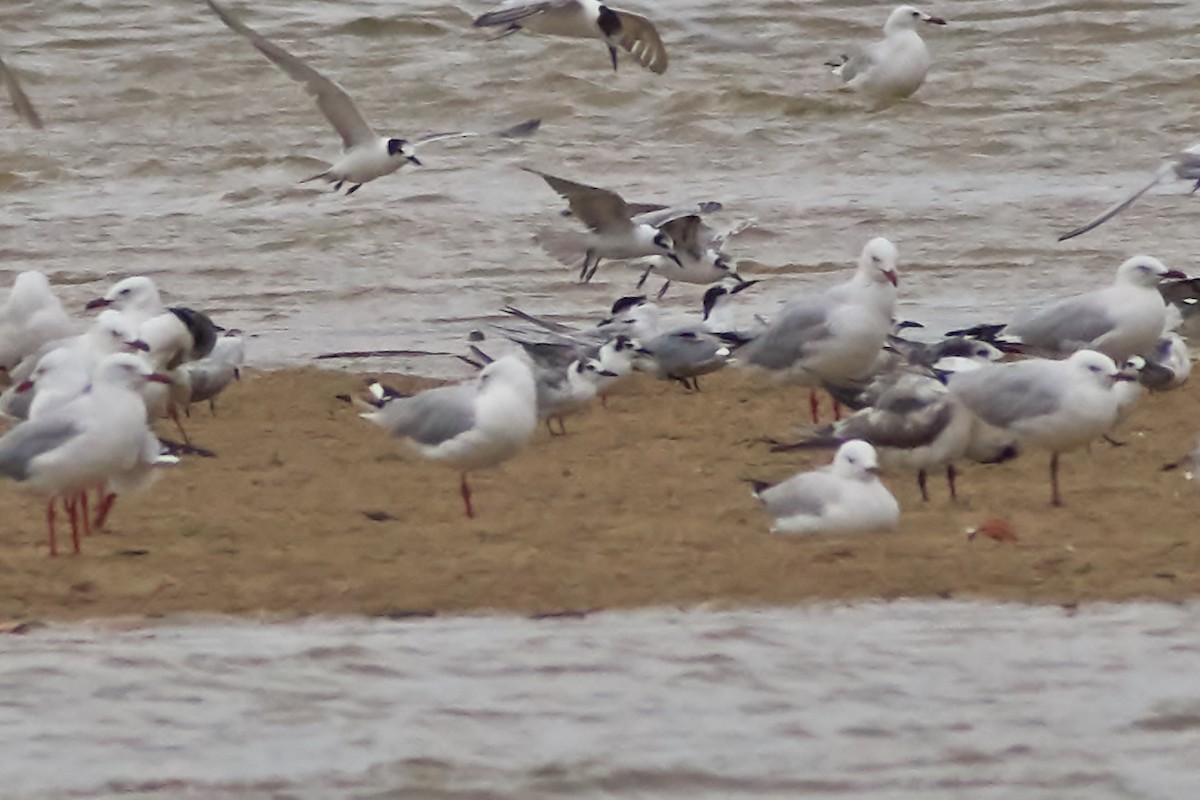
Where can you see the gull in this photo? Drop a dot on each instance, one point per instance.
(1121, 320)
(834, 336)
(20, 101)
(82, 443)
(365, 154)
(562, 393)
(613, 231)
(207, 377)
(586, 19)
(718, 313)
(698, 256)
(470, 425)
(844, 497)
(30, 317)
(1053, 405)
(1184, 166)
(893, 67)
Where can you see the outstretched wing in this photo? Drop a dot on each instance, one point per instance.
(332, 99)
(640, 39)
(597, 208)
(20, 100)
(1112, 211)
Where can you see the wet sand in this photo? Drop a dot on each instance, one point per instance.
(307, 509)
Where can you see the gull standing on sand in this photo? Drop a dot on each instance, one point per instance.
(1121, 320)
(20, 101)
(470, 425)
(1185, 166)
(612, 230)
(82, 443)
(585, 19)
(833, 336)
(843, 497)
(365, 154)
(31, 317)
(1053, 405)
(894, 67)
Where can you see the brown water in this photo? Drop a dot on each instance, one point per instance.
(174, 149)
(882, 701)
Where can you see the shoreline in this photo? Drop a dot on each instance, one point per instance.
(308, 510)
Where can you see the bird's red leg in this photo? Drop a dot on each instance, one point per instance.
(72, 506)
(50, 524)
(106, 504)
(83, 508)
(466, 496)
(1055, 499)
(837, 409)
(813, 407)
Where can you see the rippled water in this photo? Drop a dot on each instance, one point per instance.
(879, 701)
(174, 149)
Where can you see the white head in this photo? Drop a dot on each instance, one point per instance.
(1145, 271)
(113, 332)
(1097, 367)
(30, 288)
(856, 459)
(511, 370)
(617, 354)
(127, 369)
(877, 264)
(906, 18)
(137, 294)
(402, 150)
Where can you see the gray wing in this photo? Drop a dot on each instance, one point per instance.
(1006, 393)
(640, 39)
(912, 413)
(20, 100)
(660, 215)
(1064, 326)
(809, 493)
(685, 233)
(514, 14)
(431, 417)
(333, 101)
(1163, 171)
(790, 337)
(687, 352)
(597, 208)
(30, 439)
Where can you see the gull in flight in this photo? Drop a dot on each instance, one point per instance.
(586, 19)
(843, 497)
(893, 67)
(365, 154)
(1185, 166)
(20, 101)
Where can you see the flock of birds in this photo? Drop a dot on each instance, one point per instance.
(84, 402)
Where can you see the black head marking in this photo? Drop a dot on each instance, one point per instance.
(711, 296)
(395, 146)
(627, 302)
(609, 22)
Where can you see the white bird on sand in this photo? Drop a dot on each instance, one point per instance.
(82, 443)
(893, 67)
(586, 19)
(1184, 166)
(613, 231)
(365, 154)
(31, 316)
(834, 336)
(20, 101)
(1053, 405)
(207, 377)
(564, 392)
(843, 497)
(1120, 320)
(470, 425)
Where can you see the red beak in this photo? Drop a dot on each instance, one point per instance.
(892, 277)
(158, 377)
(99, 302)
(138, 344)
(23, 386)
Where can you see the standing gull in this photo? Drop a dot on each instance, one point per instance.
(1054, 405)
(586, 19)
(834, 336)
(893, 67)
(365, 154)
(1185, 166)
(83, 443)
(1121, 320)
(470, 425)
(844, 497)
